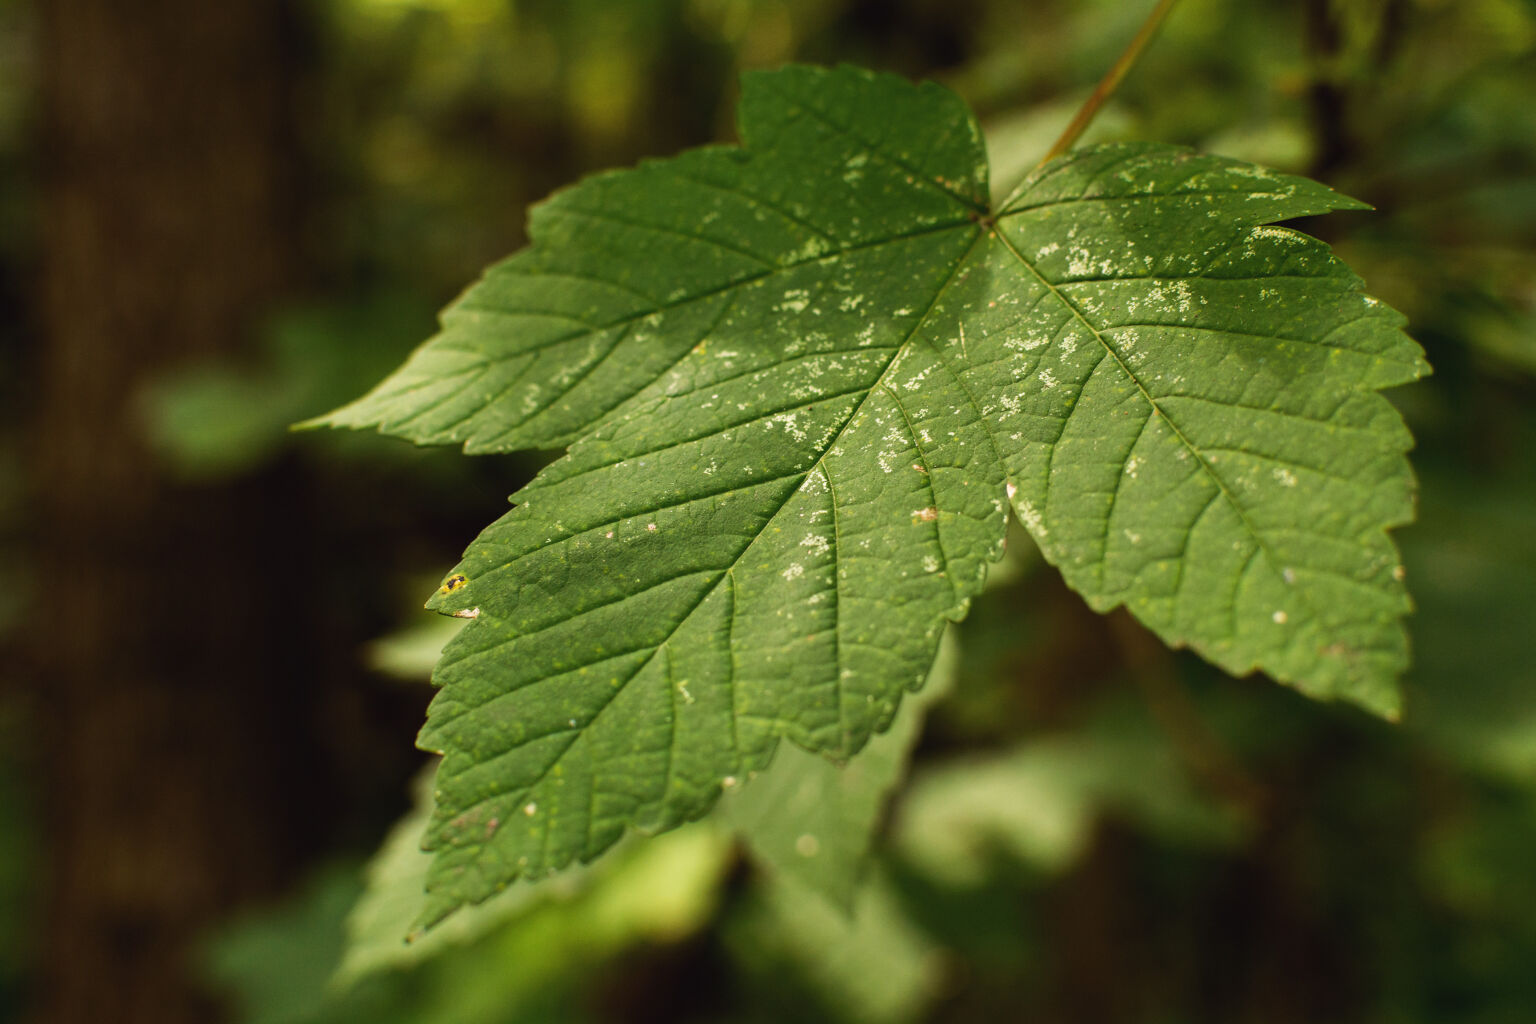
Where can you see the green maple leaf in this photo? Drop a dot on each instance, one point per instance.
(800, 381)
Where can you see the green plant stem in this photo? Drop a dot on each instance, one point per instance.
(1110, 82)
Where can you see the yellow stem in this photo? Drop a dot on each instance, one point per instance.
(1111, 81)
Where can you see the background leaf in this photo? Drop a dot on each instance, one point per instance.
(814, 821)
(872, 965)
(661, 889)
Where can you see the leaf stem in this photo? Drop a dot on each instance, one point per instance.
(1110, 82)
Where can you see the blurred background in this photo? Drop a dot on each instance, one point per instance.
(219, 218)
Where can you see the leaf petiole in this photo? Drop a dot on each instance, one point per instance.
(1110, 82)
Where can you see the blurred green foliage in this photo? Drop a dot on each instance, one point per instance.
(1092, 830)
(214, 420)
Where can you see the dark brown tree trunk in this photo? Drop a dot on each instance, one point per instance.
(166, 673)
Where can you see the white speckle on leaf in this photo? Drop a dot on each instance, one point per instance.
(1031, 518)
(817, 543)
(530, 808)
(1280, 618)
(467, 613)
(812, 248)
(795, 301)
(794, 572)
(1249, 171)
(1182, 292)
(650, 527)
(1285, 477)
(1278, 234)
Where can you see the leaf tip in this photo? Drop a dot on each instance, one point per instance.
(436, 911)
(1385, 702)
(1339, 202)
(313, 423)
